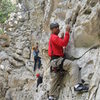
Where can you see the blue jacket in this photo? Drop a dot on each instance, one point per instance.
(35, 53)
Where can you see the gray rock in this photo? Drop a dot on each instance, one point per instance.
(26, 53)
(3, 55)
(16, 63)
(18, 51)
(7, 65)
(19, 77)
(31, 25)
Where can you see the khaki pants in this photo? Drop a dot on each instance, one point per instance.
(56, 78)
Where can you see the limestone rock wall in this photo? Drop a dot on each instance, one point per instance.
(30, 24)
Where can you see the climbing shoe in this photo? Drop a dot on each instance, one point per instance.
(81, 88)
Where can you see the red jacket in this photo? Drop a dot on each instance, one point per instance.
(56, 45)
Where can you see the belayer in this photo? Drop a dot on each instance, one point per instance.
(59, 64)
(39, 80)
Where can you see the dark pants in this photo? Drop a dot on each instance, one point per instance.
(39, 81)
(37, 59)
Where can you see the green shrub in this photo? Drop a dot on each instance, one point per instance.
(6, 7)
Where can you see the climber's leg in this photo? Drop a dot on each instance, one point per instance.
(55, 82)
(75, 79)
(35, 62)
(39, 64)
(73, 70)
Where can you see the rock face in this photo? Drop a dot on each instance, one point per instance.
(30, 24)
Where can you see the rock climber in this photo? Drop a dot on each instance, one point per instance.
(36, 57)
(59, 64)
(39, 80)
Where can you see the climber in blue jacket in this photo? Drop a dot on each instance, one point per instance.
(36, 57)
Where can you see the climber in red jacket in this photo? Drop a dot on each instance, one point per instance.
(59, 64)
(56, 44)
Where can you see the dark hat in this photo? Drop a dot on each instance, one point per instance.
(54, 25)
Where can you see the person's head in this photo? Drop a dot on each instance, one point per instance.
(37, 75)
(33, 48)
(36, 45)
(54, 27)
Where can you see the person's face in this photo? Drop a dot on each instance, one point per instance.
(37, 44)
(36, 47)
(55, 30)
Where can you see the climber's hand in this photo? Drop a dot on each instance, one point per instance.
(68, 28)
(62, 35)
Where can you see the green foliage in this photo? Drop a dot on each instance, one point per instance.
(6, 7)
